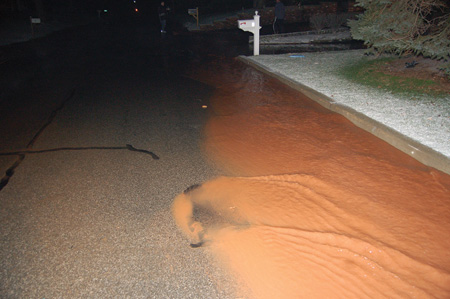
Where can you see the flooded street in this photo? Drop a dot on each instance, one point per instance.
(104, 125)
(312, 206)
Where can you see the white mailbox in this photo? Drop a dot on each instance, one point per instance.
(247, 25)
(34, 22)
(253, 27)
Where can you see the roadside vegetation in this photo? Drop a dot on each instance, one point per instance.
(405, 27)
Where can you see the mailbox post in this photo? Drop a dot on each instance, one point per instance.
(253, 27)
(194, 12)
(34, 22)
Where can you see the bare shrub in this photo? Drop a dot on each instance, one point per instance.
(335, 21)
(318, 22)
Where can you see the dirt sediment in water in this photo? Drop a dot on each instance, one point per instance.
(313, 206)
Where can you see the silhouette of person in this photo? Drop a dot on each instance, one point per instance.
(280, 13)
(162, 14)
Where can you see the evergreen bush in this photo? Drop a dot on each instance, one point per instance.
(405, 26)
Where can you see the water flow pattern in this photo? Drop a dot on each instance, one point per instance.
(311, 206)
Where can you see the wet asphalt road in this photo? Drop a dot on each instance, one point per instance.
(83, 216)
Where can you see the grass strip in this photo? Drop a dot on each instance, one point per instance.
(368, 72)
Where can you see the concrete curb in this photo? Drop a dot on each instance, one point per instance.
(418, 151)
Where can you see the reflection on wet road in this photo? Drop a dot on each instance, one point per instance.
(313, 207)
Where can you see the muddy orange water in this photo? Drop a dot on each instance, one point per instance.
(311, 206)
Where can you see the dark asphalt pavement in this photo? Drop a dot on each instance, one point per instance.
(85, 216)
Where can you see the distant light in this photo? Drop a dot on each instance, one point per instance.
(136, 10)
(105, 10)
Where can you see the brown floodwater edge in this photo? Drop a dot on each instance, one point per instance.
(418, 151)
(311, 206)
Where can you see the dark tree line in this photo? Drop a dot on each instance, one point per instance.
(45, 8)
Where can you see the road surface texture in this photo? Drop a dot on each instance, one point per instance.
(83, 216)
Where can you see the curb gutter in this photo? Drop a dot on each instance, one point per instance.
(418, 151)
